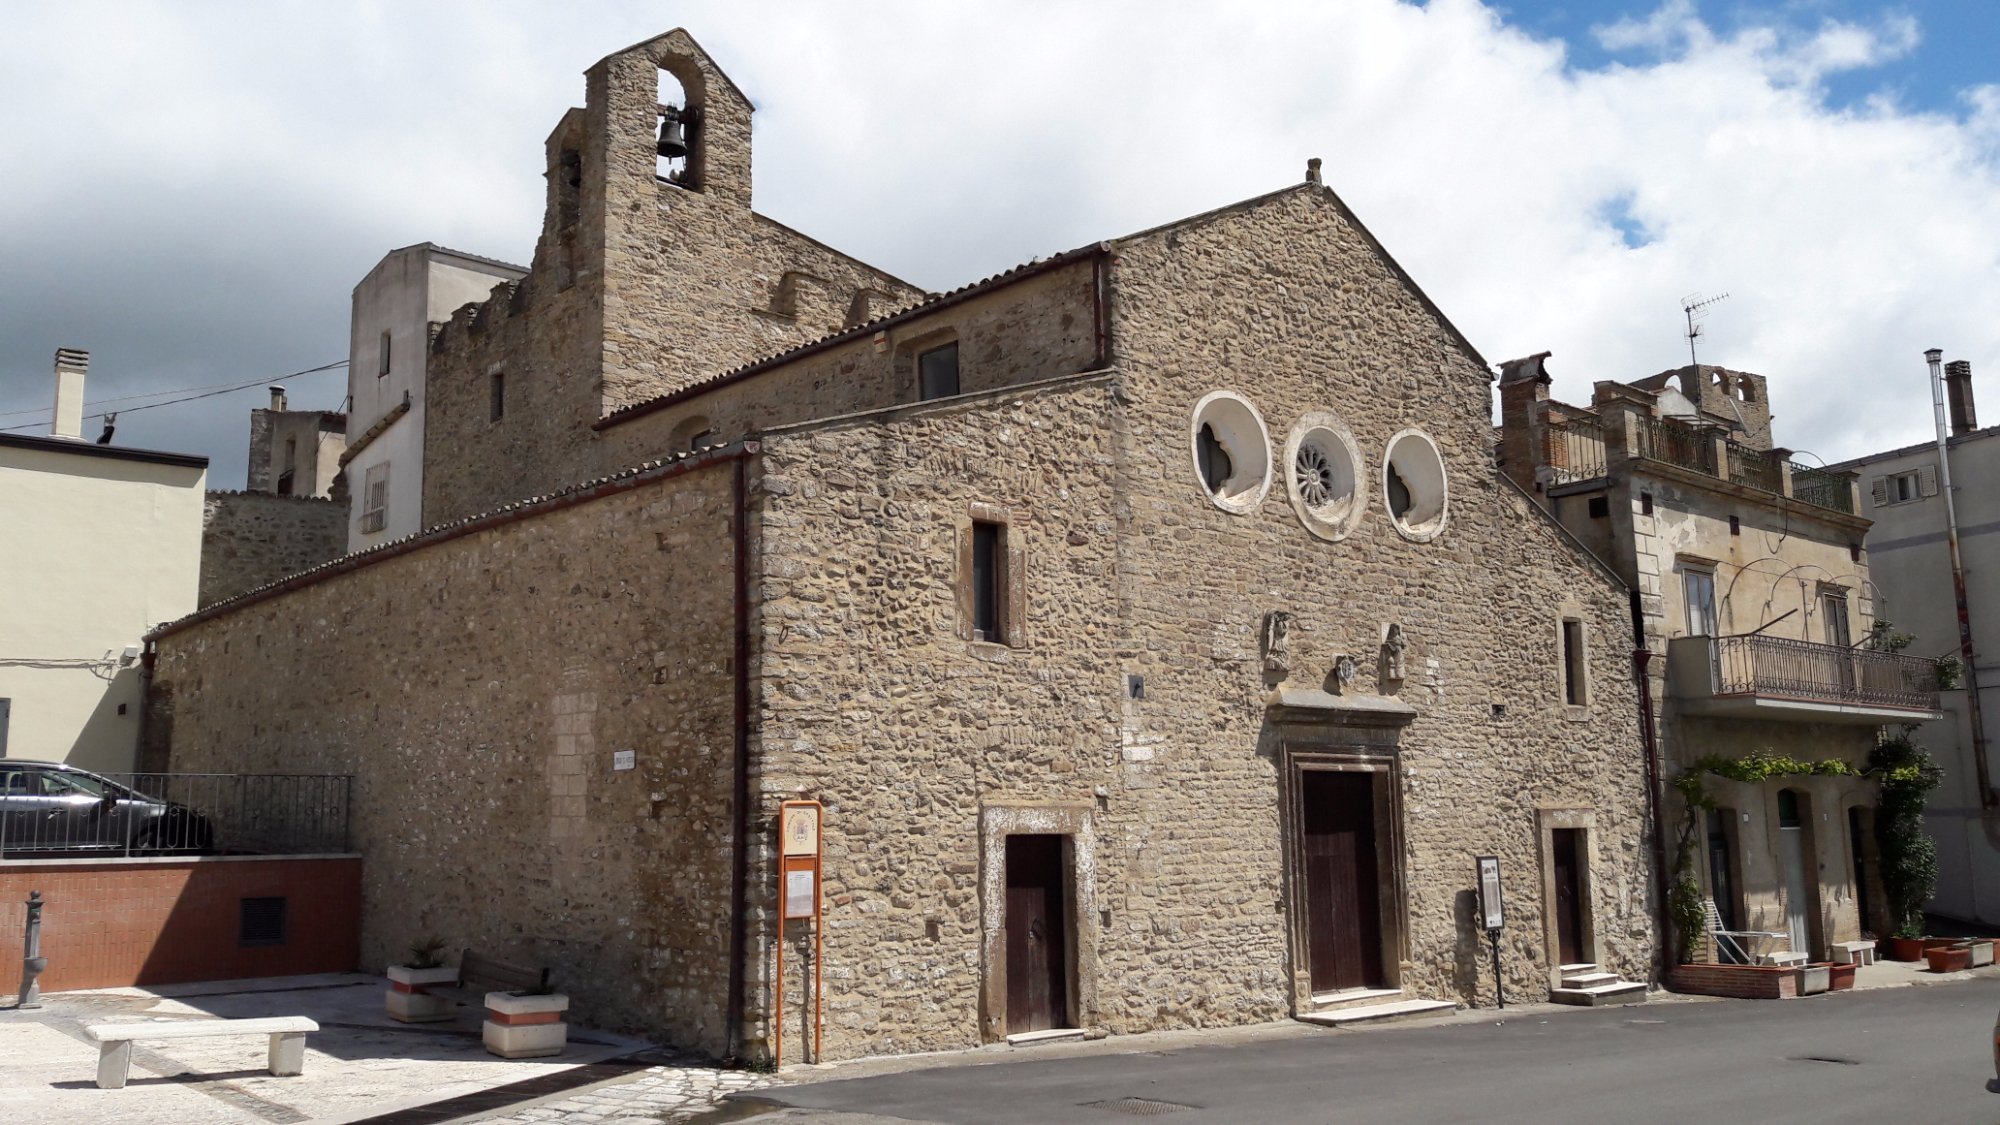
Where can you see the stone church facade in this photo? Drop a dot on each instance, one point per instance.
(1150, 622)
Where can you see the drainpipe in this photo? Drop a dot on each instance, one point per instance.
(1642, 658)
(1971, 668)
(739, 891)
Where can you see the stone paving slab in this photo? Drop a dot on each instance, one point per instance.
(360, 1065)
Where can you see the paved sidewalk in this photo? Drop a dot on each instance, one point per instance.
(671, 1093)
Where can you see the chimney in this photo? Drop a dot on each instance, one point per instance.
(71, 365)
(1958, 393)
(278, 398)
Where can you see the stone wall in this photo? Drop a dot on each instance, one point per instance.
(251, 538)
(479, 684)
(1328, 323)
(1041, 326)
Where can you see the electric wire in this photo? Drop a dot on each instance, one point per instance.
(205, 392)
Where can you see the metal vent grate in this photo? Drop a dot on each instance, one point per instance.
(262, 921)
(1138, 1107)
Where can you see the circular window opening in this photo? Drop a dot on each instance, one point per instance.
(1232, 451)
(1413, 486)
(1323, 476)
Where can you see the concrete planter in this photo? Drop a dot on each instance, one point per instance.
(1982, 952)
(1949, 959)
(522, 1026)
(1813, 979)
(409, 999)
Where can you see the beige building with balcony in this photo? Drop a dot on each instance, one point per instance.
(1751, 584)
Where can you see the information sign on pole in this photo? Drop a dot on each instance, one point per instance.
(798, 900)
(1493, 914)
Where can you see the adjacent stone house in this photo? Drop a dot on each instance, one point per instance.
(1150, 623)
(1754, 593)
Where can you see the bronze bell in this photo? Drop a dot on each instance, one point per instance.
(673, 142)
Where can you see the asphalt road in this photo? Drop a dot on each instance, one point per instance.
(1916, 1055)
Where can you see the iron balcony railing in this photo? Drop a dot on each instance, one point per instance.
(1662, 440)
(1755, 468)
(1574, 449)
(47, 811)
(1821, 488)
(1779, 667)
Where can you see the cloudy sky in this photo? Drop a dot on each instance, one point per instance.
(196, 187)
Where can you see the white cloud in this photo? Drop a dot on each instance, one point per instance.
(210, 184)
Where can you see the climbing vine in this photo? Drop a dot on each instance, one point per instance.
(1908, 854)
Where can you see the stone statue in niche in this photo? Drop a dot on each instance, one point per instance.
(1393, 648)
(1344, 669)
(1277, 661)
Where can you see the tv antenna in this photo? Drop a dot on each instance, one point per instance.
(1695, 306)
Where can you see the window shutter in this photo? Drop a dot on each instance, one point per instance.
(1927, 481)
(962, 588)
(1015, 627)
(1879, 489)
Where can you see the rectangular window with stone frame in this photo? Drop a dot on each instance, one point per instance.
(992, 582)
(1576, 676)
(937, 372)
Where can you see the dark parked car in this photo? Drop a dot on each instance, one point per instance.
(50, 807)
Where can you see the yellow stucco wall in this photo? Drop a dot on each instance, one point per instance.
(94, 551)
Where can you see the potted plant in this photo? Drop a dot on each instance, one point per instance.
(1949, 958)
(409, 999)
(527, 1024)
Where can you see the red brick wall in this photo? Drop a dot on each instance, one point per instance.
(124, 922)
(1747, 982)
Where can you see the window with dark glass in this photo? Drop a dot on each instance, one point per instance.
(937, 372)
(383, 369)
(1788, 809)
(1399, 494)
(1572, 643)
(499, 396)
(1216, 466)
(988, 548)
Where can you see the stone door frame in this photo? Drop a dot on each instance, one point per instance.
(1547, 820)
(997, 821)
(1301, 755)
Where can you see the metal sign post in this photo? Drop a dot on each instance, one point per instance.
(1492, 914)
(798, 898)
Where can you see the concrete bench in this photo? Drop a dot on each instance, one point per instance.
(1786, 959)
(1854, 952)
(114, 1059)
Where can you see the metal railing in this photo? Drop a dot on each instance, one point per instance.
(1574, 449)
(67, 813)
(1821, 488)
(1675, 444)
(1755, 468)
(1803, 670)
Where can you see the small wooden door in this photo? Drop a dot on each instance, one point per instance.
(1343, 882)
(1037, 930)
(1568, 863)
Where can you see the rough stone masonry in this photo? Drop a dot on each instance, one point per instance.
(1201, 586)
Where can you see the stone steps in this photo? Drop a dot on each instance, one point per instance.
(1601, 995)
(1378, 1013)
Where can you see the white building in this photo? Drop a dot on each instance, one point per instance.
(101, 543)
(389, 344)
(1903, 492)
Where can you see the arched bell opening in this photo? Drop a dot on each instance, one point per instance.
(677, 121)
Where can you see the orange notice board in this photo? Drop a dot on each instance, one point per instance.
(798, 894)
